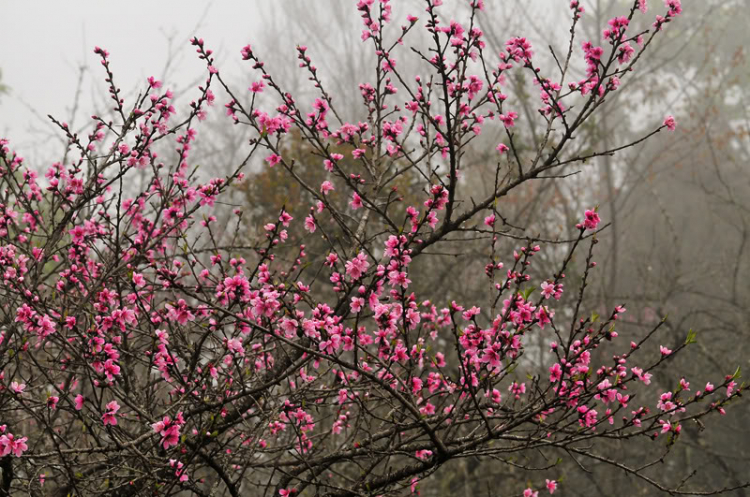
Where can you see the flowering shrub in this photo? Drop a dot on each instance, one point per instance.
(141, 354)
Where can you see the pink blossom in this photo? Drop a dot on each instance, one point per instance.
(509, 121)
(109, 418)
(555, 373)
(674, 6)
(257, 87)
(180, 472)
(423, 454)
(169, 430)
(356, 201)
(548, 289)
(285, 218)
(644, 377)
(669, 122)
(273, 159)
(551, 486)
(11, 445)
(356, 267)
(591, 220)
(357, 303)
(310, 224)
(326, 187)
(730, 388)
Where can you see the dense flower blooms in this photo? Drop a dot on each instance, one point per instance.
(142, 293)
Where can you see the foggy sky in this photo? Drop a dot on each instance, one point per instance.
(44, 44)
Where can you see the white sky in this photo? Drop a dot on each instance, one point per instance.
(47, 42)
(44, 43)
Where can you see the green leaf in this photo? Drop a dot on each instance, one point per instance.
(691, 337)
(526, 293)
(736, 374)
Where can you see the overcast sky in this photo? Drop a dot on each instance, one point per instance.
(44, 43)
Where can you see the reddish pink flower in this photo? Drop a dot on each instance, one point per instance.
(591, 220)
(109, 417)
(356, 201)
(326, 187)
(310, 224)
(273, 159)
(551, 486)
(356, 267)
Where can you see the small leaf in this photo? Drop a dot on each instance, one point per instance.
(526, 293)
(691, 337)
(736, 374)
